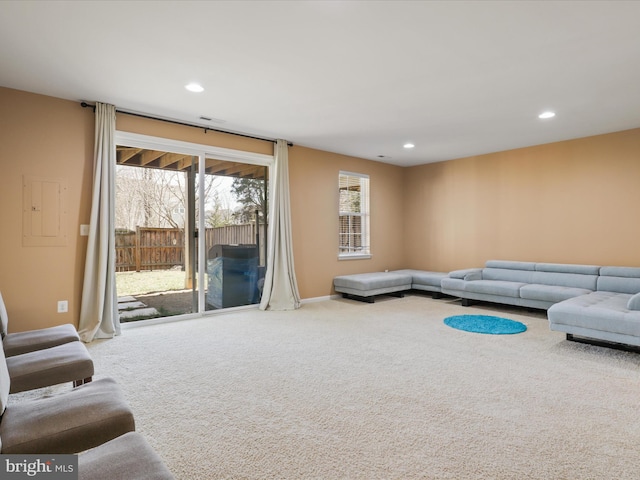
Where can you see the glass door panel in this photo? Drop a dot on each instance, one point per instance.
(235, 233)
(155, 232)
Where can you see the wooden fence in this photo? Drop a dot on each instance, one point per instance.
(163, 248)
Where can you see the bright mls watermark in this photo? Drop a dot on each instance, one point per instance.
(51, 467)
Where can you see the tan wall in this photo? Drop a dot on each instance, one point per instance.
(45, 137)
(573, 202)
(157, 128)
(50, 137)
(313, 178)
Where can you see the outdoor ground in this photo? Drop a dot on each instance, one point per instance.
(163, 290)
(168, 303)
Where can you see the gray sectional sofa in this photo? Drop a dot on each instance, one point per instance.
(587, 301)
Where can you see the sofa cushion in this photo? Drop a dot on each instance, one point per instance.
(64, 363)
(494, 287)
(25, 342)
(551, 293)
(634, 302)
(575, 280)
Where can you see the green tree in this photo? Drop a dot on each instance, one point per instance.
(251, 194)
(218, 213)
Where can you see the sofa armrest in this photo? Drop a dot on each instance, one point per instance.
(634, 302)
(467, 274)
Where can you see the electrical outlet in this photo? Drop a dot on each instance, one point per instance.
(84, 230)
(63, 306)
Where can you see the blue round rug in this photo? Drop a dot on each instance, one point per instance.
(485, 324)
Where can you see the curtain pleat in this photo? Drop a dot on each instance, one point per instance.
(280, 290)
(99, 309)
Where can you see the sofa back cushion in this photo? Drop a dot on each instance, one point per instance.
(568, 268)
(509, 271)
(619, 279)
(588, 282)
(510, 265)
(505, 274)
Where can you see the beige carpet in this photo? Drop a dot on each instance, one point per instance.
(346, 390)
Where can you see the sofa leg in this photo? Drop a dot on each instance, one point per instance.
(397, 294)
(77, 383)
(359, 298)
(466, 302)
(437, 295)
(603, 343)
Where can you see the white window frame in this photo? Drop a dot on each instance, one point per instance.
(364, 215)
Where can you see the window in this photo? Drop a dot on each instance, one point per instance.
(353, 216)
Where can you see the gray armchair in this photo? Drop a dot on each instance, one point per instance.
(70, 422)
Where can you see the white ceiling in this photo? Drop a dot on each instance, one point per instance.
(456, 78)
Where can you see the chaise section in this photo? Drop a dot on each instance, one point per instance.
(364, 286)
(611, 314)
(598, 315)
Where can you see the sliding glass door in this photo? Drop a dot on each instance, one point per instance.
(190, 227)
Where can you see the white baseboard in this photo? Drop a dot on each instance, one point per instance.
(190, 316)
(320, 299)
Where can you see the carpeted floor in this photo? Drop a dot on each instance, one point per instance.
(347, 390)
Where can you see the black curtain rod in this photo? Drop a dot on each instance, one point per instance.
(176, 122)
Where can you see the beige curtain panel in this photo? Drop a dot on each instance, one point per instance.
(280, 286)
(99, 309)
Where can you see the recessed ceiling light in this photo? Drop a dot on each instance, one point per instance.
(544, 115)
(408, 145)
(194, 87)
